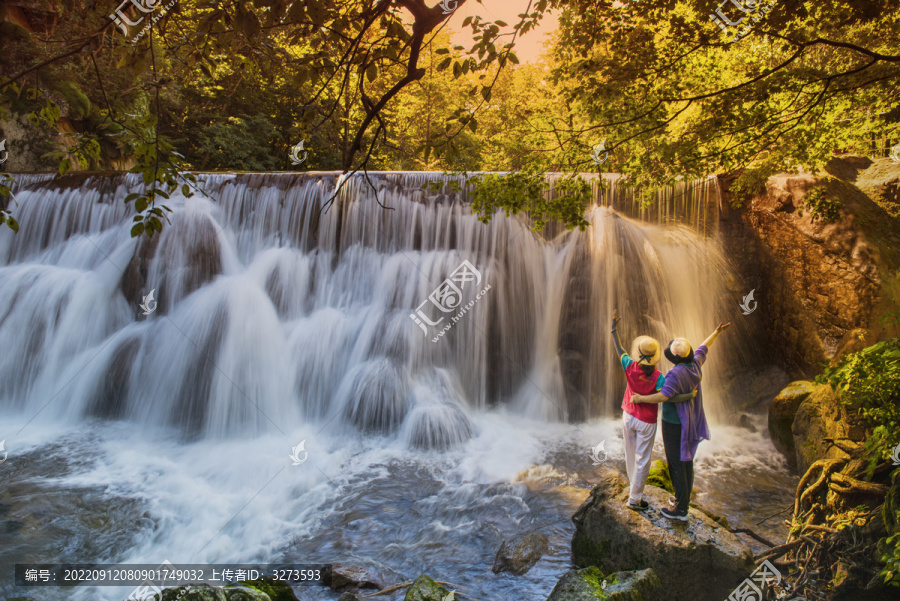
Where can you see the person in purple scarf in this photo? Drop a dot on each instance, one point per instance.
(684, 423)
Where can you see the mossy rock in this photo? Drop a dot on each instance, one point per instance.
(277, 590)
(192, 592)
(659, 476)
(425, 589)
(590, 584)
(244, 593)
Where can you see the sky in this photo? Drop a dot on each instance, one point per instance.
(528, 46)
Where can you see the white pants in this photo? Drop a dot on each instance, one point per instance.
(639, 437)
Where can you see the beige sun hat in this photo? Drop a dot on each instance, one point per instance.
(645, 350)
(680, 351)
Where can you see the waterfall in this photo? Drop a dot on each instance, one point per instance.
(270, 311)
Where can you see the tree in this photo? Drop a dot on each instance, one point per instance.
(687, 95)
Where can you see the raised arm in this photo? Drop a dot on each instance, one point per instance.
(619, 350)
(712, 337)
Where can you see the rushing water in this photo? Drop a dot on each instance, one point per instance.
(140, 438)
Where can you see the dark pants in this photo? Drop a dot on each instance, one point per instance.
(682, 472)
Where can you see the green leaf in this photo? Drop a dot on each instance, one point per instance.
(12, 223)
(141, 204)
(444, 63)
(372, 72)
(137, 230)
(131, 197)
(65, 166)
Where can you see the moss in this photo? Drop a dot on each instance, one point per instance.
(659, 476)
(278, 590)
(595, 578)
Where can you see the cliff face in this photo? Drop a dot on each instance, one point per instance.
(821, 284)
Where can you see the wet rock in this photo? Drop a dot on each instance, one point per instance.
(193, 592)
(519, 553)
(590, 584)
(276, 590)
(437, 419)
(375, 396)
(345, 576)
(350, 597)
(746, 423)
(697, 560)
(782, 411)
(425, 589)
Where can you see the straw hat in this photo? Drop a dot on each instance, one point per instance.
(680, 351)
(645, 350)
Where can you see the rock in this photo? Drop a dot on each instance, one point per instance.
(350, 597)
(781, 416)
(818, 417)
(519, 553)
(277, 590)
(746, 423)
(193, 592)
(354, 576)
(754, 387)
(698, 560)
(245, 593)
(425, 589)
(823, 279)
(374, 396)
(590, 584)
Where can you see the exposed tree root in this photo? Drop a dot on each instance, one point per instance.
(832, 540)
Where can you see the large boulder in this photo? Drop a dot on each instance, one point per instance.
(819, 417)
(590, 584)
(519, 553)
(781, 416)
(697, 560)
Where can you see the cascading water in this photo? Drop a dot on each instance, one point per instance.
(277, 322)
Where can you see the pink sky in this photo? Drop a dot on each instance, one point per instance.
(528, 47)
